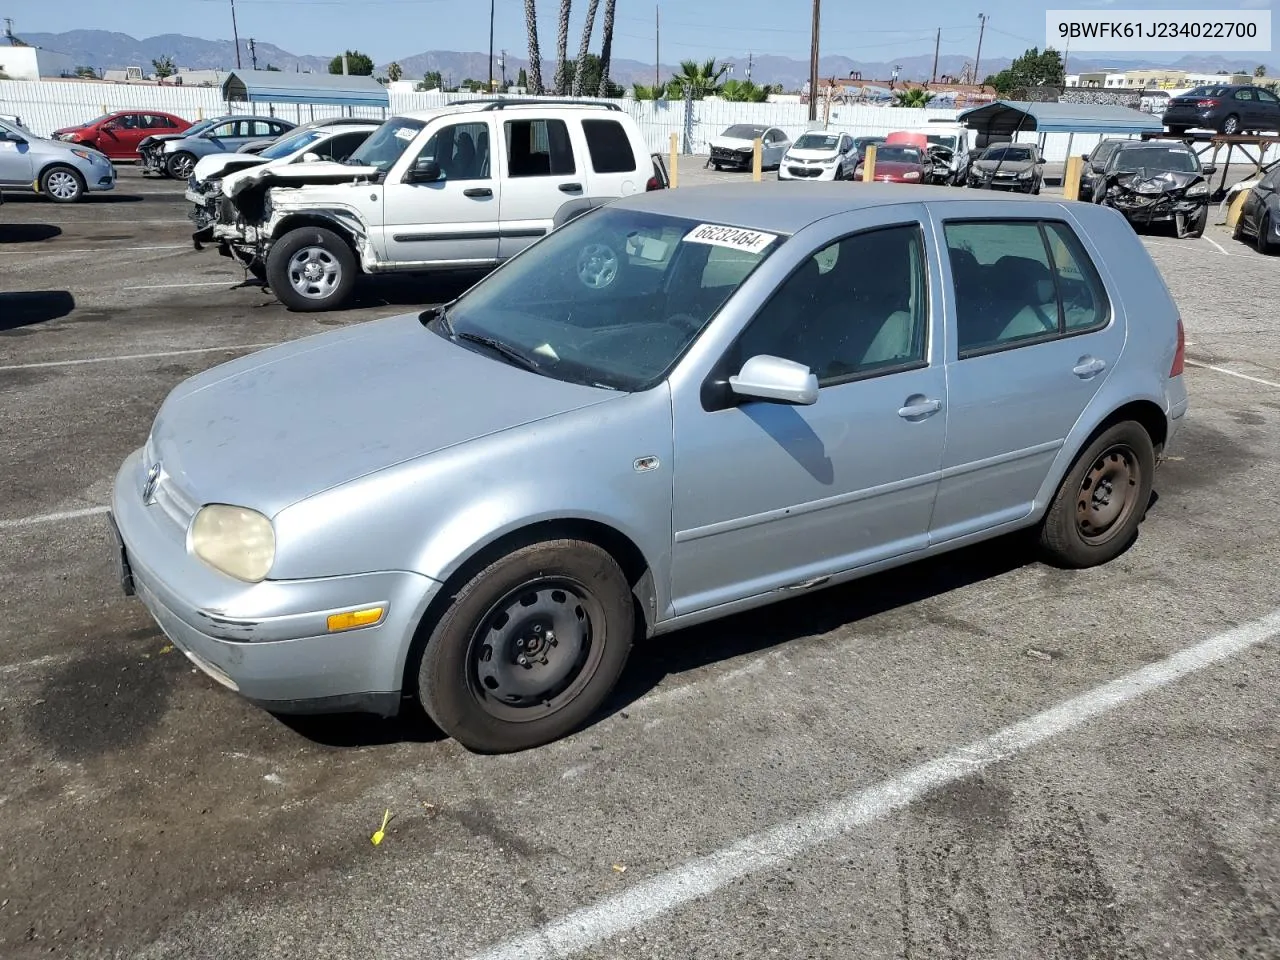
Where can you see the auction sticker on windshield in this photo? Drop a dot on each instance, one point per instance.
(735, 238)
(406, 133)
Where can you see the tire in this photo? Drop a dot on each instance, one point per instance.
(1230, 126)
(180, 165)
(62, 184)
(1121, 457)
(1263, 239)
(717, 167)
(303, 287)
(1197, 227)
(473, 654)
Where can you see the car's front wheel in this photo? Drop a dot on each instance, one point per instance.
(1231, 125)
(529, 648)
(62, 185)
(180, 165)
(311, 269)
(1095, 514)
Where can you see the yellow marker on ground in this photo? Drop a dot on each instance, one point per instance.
(382, 831)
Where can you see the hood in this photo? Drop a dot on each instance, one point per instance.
(794, 154)
(299, 175)
(218, 165)
(297, 419)
(159, 138)
(733, 143)
(1007, 166)
(1154, 181)
(76, 128)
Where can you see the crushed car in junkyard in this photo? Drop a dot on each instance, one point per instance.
(1156, 183)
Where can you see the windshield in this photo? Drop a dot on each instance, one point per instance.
(613, 298)
(1155, 159)
(286, 147)
(744, 131)
(196, 128)
(942, 141)
(1206, 92)
(891, 153)
(1008, 154)
(818, 141)
(384, 146)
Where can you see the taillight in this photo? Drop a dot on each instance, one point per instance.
(1180, 357)
(1206, 104)
(653, 184)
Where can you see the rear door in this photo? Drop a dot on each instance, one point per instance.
(1268, 111)
(541, 171)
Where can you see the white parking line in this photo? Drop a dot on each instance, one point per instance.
(136, 356)
(172, 286)
(768, 849)
(1216, 244)
(1186, 247)
(52, 517)
(107, 248)
(1233, 373)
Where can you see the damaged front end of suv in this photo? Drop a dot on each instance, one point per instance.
(1151, 185)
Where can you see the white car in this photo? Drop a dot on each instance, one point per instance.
(212, 174)
(820, 155)
(736, 147)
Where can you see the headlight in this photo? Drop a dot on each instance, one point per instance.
(85, 155)
(234, 540)
(911, 176)
(1025, 175)
(1198, 189)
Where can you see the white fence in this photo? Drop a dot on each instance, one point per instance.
(47, 105)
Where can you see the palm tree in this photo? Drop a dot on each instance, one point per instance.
(562, 49)
(606, 46)
(641, 92)
(701, 78)
(744, 91)
(915, 97)
(535, 55)
(579, 73)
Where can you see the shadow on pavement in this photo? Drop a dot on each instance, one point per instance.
(28, 232)
(30, 307)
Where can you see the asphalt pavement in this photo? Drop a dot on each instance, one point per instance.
(975, 757)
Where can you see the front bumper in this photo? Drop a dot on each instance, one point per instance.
(1002, 183)
(1140, 210)
(98, 180)
(803, 171)
(728, 157)
(268, 641)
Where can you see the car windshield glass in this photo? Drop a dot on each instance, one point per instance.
(744, 131)
(817, 141)
(286, 147)
(1154, 159)
(384, 146)
(1206, 92)
(196, 128)
(949, 142)
(894, 154)
(613, 298)
(1008, 154)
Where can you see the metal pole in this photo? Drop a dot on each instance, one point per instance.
(977, 77)
(491, 4)
(657, 49)
(235, 33)
(937, 45)
(813, 61)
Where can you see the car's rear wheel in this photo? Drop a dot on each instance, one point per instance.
(1231, 125)
(62, 184)
(1263, 239)
(311, 269)
(180, 165)
(1103, 498)
(529, 647)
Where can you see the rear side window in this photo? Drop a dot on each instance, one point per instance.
(609, 146)
(538, 148)
(1267, 97)
(1021, 282)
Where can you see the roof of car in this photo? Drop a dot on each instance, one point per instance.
(503, 104)
(781, 208)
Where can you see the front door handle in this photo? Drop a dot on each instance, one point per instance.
(918, 408)
(478, 192)
(570, 188)
(1087, 367)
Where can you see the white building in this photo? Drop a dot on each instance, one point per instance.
(32, 63)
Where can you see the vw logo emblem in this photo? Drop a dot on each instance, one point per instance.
(149, 488)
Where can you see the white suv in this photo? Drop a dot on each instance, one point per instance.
(457, 188)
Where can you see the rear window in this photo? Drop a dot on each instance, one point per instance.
(609, 146)
(1208, 92)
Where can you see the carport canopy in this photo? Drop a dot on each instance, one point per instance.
(278, 86)
(1005, 118)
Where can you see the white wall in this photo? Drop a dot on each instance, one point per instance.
(32, 63)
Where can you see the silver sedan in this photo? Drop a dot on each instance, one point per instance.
(679, 406)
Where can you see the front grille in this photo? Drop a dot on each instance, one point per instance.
(805, 171)
(177, 505)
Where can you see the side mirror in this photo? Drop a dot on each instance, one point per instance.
(10, 137)
(423, 171)
(772, 378)
(1210, 169)
(1084, 157)
(310, 157)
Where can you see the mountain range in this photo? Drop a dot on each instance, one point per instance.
(104, 49)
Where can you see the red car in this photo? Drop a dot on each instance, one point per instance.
(899, 163)
(118, 134)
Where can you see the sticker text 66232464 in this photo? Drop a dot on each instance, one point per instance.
(736, 238)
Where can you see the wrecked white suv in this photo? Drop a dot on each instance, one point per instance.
(463, 187)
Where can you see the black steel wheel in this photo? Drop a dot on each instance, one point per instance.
(529, 647)
(1102, 500)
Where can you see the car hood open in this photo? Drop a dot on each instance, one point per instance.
(275, 427)
(218, 165)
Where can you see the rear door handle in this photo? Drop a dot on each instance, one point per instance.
(570, 188)
(478, 192)
(918, 408)
(1088, 367)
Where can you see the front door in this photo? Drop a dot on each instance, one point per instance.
(120, 137)
(15, 159)
(454, 218)
(770, 496)
(1031, 340)
(543, 173)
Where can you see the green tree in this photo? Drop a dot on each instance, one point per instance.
(591, 78)
(432, 80)
(164, 66)
(1032, 69)
(606, 47)
(534, 84)
(743, 91)
(522, 81)
(641, 92)
(358, 64)
(272, 68)
(86, 72)
(915, 97)
(394, 72)
(1260, 70)
(702, 78)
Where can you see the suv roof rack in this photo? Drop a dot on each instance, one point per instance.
(502, 102)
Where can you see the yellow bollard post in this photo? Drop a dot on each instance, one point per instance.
(1233, 211)
(1071, 178)
(869, 164)
(757, 159)
(675, 161)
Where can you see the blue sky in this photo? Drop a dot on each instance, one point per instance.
(386, 29)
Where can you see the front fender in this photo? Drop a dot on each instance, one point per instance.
(342, 220)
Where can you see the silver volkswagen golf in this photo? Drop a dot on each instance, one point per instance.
(679, 406)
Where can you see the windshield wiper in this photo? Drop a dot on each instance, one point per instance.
(497, 346)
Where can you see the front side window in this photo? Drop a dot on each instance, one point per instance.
(609, 146)
(224, 130)
(1020, 282)
(539, 148)
(1267, 97)
(387, 143)
(461, 150)
(855, 308)
(613, 298)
